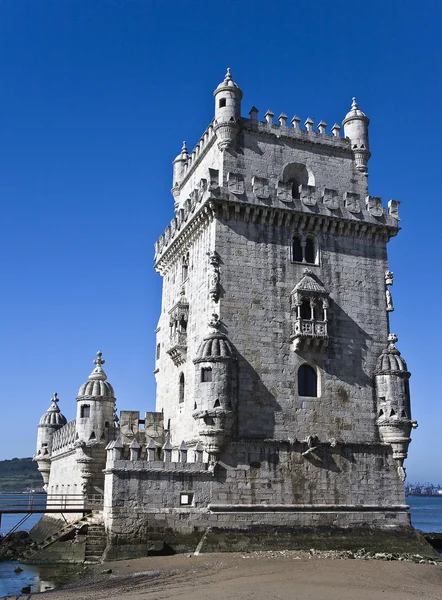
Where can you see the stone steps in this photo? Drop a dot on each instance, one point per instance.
(95, 543)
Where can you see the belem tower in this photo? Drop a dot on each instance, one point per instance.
(282, 401)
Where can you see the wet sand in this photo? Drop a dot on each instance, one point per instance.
(256, 576)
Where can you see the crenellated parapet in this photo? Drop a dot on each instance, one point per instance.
(64, 439)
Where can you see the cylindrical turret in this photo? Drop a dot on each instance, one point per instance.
(178, 171)
(215, 391)
(356, 129)
(95, 408)
(393, 399)
(227, 111)
(50, 422)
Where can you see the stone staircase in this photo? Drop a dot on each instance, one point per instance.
(95, 541)
(95, 538)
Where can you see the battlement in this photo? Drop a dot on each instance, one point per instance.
(64, 438)
(152, 455)
(281, 129)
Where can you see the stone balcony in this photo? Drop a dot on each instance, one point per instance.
(309, 332)
(178, 347)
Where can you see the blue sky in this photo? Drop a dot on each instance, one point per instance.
(97, 97)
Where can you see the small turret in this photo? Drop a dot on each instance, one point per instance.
(356, 129)
(178, 171)
(50, 422)
(215, 389)
(227, 111)
(95, 407)
(393, 399)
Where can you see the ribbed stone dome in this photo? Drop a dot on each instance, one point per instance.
(214, 346)
(53, 415)
(97, 386)
(228, 83)
(355, 112)
(391, 361)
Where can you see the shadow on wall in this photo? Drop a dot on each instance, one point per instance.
(256, 404)
(342, 326)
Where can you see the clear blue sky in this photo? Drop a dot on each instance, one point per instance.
(96, 99)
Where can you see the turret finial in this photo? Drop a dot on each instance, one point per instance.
(354, 104)
(55, 398)
(98, 372)
(228, 76)
(184, 148)
(98, 360)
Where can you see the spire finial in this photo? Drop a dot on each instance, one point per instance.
(228, 76)
(354, 104)
(55, 398)
(98, 360)
(98, 372)
(184, 148)
(392, 339)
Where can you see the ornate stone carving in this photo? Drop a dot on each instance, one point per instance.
(284, 191)
(389, 276)
(311, 329)
(307, 194)
(236, 183)
(178, 318)
(330, 199)
(374, 206)
(352, 202)
(260, 187)
(389, 300)
(214, 276)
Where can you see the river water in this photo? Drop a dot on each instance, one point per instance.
(426, 515)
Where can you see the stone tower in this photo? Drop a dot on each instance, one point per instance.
(273, 346)
(50, 422)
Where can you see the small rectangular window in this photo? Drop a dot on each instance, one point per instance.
(186, 499)
(222, 102)
(85, 411)
(206, 374)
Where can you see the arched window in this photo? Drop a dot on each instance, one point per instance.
(306, 311)
(296, 249)
(181, 388)
(310, 251)
(307, 381)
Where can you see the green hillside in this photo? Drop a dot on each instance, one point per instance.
(19, 475)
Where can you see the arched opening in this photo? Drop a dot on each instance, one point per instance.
(306, 312)
(295, 188)
(296, 249)
(318, 312)
(307, 381)
(310, 251)
(181, 388)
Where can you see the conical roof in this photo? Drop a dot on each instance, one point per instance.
(309, 284)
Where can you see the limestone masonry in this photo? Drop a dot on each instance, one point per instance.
(282, 401)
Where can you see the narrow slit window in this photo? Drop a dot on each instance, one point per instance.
(310, 254)
(181, 388)
(297, 249)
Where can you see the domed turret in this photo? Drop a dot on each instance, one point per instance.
(50, 422)
(227, 111)
(393, 398)
(178, 171)
(356, 129)
(95, 407)
(215, 389)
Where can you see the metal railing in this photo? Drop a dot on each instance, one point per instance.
(41, 503)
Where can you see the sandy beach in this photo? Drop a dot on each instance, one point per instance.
(257, 576)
